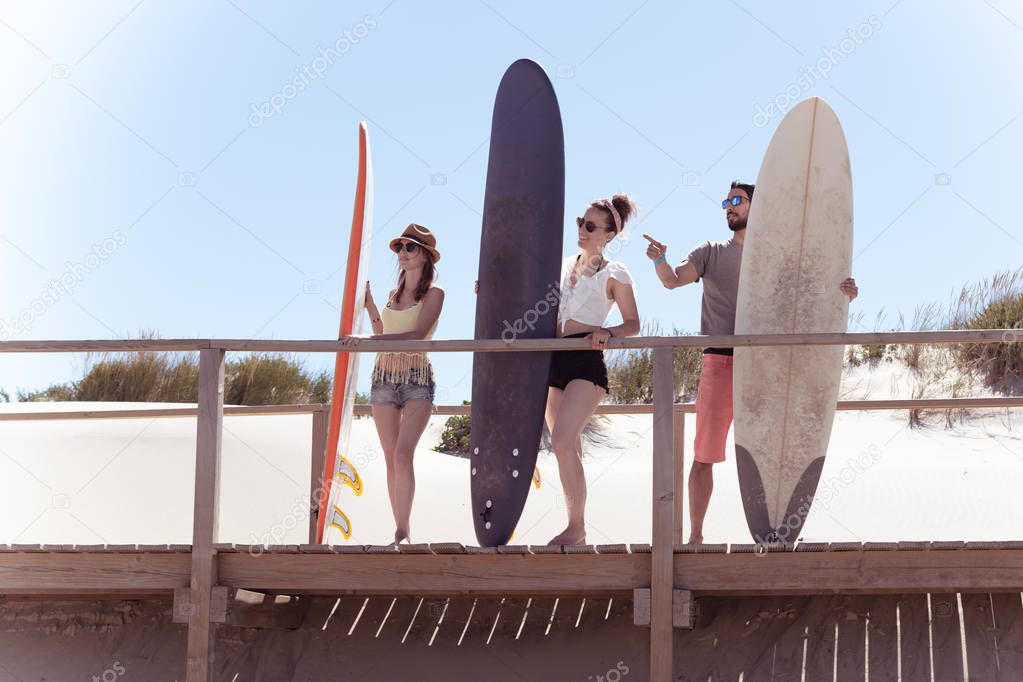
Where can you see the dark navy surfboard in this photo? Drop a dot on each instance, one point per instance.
(519, 278)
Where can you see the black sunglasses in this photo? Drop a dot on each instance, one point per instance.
(590, 225)
(409, 246)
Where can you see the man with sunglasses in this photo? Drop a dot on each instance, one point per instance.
(718, 264)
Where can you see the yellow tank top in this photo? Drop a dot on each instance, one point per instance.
(403, 368)
(398, 321)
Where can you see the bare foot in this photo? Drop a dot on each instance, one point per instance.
(695, 539)
(401, 536)
(572, 535)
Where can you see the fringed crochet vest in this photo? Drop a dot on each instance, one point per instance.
(403, 368)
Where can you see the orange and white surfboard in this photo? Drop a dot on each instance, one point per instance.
(333, 525)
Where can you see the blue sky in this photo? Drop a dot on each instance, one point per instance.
(132, 168)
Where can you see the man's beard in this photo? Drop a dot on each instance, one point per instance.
(737, 225)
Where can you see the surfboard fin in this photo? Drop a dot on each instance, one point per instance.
(338, 519)
(536, 477)
(348, 475)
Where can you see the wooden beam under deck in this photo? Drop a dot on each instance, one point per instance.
(98, 573)
(438, 574)
(448, 569)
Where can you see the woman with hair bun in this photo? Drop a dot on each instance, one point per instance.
(591, 285)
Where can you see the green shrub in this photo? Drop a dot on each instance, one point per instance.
(55, 393)
(631, 373)
(321, 388)
(266, 379)
(454, 440)
(255, 379)
(1000, 365)
(139, 377)
(993, 304)
(870, 353)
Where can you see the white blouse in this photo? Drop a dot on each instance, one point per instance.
(587, 301)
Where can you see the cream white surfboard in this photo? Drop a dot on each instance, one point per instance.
(798, 249)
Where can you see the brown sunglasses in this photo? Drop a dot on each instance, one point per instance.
(590, 225)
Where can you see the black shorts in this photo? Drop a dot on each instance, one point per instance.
(567, 365)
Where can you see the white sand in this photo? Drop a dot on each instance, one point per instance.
(131, 481)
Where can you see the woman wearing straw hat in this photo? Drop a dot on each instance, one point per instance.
(403, 383)
(591, 285)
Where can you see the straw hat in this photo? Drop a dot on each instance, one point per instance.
(420, 235)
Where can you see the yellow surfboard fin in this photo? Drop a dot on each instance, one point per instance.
(348, 475)
(338, 519)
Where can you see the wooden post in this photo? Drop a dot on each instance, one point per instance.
(319, 451)
(204, 530)
(663, 546)
(680, 479)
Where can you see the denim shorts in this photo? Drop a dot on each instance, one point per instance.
(389, 393)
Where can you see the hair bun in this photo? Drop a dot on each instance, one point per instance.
(625, 206)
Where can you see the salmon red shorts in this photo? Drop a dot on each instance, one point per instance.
(713, 408)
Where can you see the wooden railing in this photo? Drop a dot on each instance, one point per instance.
(668, 438)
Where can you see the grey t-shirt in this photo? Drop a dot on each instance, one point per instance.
(718, 264)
